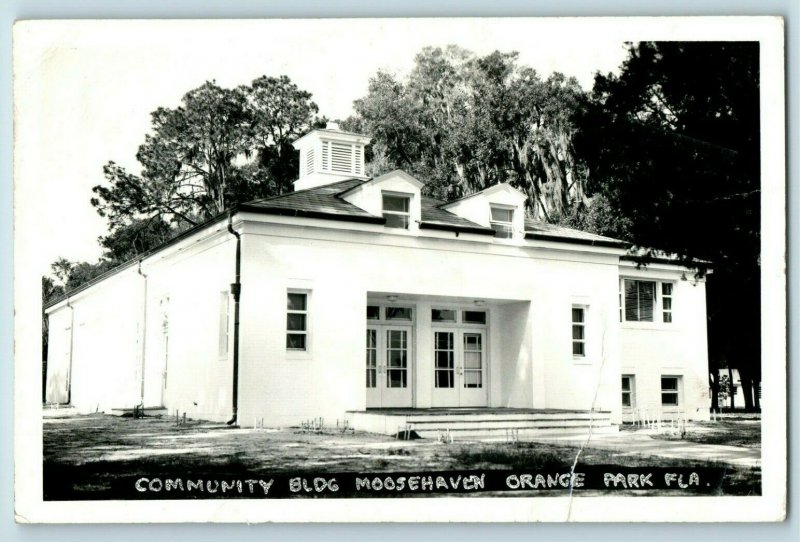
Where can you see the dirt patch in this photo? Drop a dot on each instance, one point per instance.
(744, 432)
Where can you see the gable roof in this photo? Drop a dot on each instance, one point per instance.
(395, 173)
(486, 192)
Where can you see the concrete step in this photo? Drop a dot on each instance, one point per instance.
(501, 423)
(494, 423)
(504, 434)
(478, 417)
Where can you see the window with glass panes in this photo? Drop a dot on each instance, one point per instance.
(297, 321)
(578, 331)
(372, 358)
(670, 390)
(666, 302)
(502, 222)
(628, 391)
(397, 210)
(444, 354)
(473, 360)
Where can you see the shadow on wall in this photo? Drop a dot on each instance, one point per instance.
(516, 354)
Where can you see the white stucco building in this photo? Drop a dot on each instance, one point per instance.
(358, 293)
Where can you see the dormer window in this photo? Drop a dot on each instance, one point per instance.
(397, 210)
(502, 221)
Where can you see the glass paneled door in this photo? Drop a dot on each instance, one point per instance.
(459, 368)
(388, 366)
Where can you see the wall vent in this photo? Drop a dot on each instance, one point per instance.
(342, 157)
(309, 161)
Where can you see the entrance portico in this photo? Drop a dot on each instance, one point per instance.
(434, 351)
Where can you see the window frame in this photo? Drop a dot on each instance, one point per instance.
(663, 302)
(676, 392)
(298, 352)
(502, 226)
(659, 311)
(407, 214)
(630, 392)
(582, 325)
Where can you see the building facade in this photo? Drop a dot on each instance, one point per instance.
(356, 293)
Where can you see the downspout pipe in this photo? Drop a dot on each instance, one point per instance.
(71, 341)
(144, 332)
(236, 290)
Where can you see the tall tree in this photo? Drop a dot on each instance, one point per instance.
(672, 143)
(220, 147)
(465, 122)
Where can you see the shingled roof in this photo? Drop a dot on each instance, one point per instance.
(545, 231)
(327, 202)
(319, 202)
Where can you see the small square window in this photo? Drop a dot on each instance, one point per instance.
(296, 302)
(474, 317)
(373, 312)
(398, 313)
(443, 315)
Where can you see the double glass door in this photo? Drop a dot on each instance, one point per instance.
(459, 368)
(389, 366)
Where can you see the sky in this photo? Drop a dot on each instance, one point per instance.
(84, 89)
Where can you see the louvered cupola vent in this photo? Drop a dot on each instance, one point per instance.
(328, 156)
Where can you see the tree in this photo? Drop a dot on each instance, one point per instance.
(672, 145)
(464, 122)
(220, 147)
(130, 240)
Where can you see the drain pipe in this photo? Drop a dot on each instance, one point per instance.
(71, 340)
(236, 290)
(144, 331)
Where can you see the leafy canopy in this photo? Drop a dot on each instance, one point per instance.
(219, 147)
(465, 122)
(672, 144)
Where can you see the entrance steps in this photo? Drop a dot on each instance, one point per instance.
(481, 423)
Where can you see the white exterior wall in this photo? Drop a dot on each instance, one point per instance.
(58, 356)
(654, 349)
(104, 337)
(107, 339)
(529, 293)
(198, 380)
(571, 382)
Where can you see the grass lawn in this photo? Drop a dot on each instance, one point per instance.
(83, 455)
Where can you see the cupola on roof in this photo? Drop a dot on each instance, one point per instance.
(330, 155)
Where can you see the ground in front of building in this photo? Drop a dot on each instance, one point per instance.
(83, 455)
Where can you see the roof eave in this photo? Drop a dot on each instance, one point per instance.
(456, 228)
(282, 211)
(125, 265)
(606, 243)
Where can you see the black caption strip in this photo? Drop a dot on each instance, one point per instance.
(162, 486)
